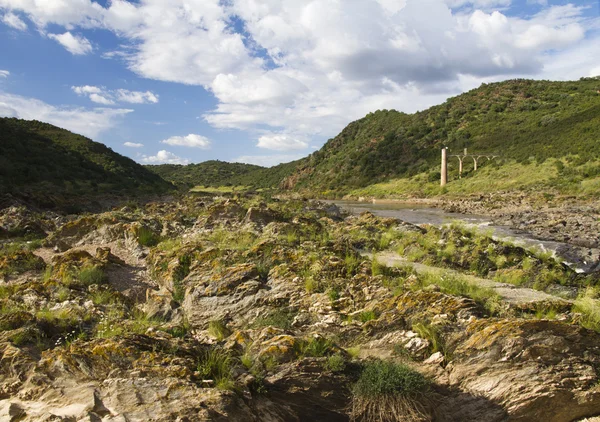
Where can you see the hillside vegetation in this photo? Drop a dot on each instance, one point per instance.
(216, 173)
(523, 120)
(208, 173)
(52, 166)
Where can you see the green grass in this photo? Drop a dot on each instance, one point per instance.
(367, 316)
(91, 275)
(389, 391)
(335, 363)
(216, 364)
(147, 237)
(315, 347)
(460, 286)
(380, 378)
(588, 305)
(278, 318)
(433, 335)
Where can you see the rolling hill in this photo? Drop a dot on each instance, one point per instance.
(51, 166)
(525, 121)
(216, 173)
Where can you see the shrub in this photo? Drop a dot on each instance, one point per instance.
(389, 391)
(335, 363)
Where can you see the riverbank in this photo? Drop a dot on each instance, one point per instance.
(575, 224)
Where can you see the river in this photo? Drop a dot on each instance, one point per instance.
(422, 214)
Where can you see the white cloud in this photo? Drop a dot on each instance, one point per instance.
(4, 73)
(133, 145)
(191, 140)
(75, 44)
(302, 70)
(281, 142)
(88, 122)
(164, 157)
(101, 95)
(267, 160)
(100, 99)
(136, 97)
(14, 21)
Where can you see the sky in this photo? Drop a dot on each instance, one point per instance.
(269, 81)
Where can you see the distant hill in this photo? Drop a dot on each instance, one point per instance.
(52, 166)
(208, 173)
(521, 119)
(220, 173)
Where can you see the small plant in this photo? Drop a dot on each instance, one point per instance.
(333, 294)
(218, 329)
(181, 329)
(352, 262)
(147, 237)
(335, 363)
(367, 316)
(315, 347)
(62, 294)
(389, 391)
(354, 352)
(103, 297)
(279, 318)
(589, 307)
(432, 333)
(216, 364)
(91, 275)
(247, 361)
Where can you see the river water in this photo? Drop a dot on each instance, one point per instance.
(422, 214)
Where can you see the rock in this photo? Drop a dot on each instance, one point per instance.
(159, 304)
(531, 368)
(260, 216)
(435, 359)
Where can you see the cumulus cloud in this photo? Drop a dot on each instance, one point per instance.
(133, 145)
(75, 44)
(281, 142)
(14, 21)
(164, 157)
(191, 140)
(302, 70)
(4, 73)
(88, 122)
(136, 97)
(104, 96)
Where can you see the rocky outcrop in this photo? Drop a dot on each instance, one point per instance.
(535, 369)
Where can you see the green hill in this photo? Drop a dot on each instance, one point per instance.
(220, 173)
(523, 120)
(52, 166)
(209, 173)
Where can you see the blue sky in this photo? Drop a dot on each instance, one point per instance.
(268, 81)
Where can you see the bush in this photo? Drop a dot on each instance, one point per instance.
(389, 391)
(335, 363)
